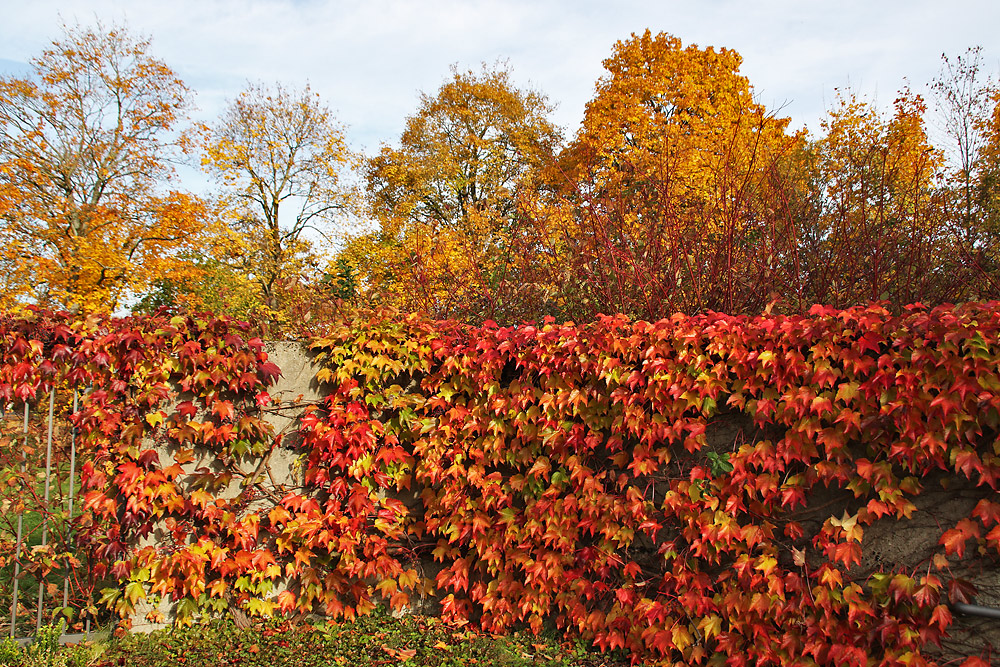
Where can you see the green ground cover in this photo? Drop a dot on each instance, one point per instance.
(375, 641)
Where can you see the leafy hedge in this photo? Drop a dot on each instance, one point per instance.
(554, 473)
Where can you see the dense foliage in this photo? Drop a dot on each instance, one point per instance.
(680, 192)
(695, 489)
(553, 474)
(88, 198)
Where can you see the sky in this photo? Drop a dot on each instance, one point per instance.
(370, 60)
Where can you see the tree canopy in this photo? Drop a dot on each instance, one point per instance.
(85, 172)
(279, 158)
(446, 198)
(668, 194)
(680, 191)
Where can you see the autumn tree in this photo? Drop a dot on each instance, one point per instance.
(210, 284)
(987, 186)
(445, 198)
(882, 233)
(966, 99)
(86, 144)
(667, 202)
(280, 159)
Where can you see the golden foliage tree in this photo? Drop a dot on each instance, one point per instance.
(668, 201)
(445, 198)
(987, 188)
(280, 159)
(882, 232)
(85, 148)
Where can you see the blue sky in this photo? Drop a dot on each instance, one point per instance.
(369, 60)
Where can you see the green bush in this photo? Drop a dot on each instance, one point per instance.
(11, 652)
(44, 651)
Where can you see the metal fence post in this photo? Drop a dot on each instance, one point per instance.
(20, 532)
(45, 505)
(69, 507)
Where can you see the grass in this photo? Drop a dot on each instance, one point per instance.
(372, 641)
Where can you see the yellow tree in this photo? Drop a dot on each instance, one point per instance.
(987, 191)
(280, 159)
(668, 202)
(882, 233)
(85, 148)
(445, 198)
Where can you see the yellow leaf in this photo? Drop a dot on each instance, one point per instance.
(710, 625)
(682, 637)
(767, 564)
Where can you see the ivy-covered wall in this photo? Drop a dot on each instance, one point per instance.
(707, 490)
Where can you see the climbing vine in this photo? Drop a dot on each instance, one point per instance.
(696, 490)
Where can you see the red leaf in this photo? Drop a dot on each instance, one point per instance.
(128, 473)
(968, 462)
(987, 511)
(926, 595)
(148, 458)
(223, 409)
(960, 590)
(297, 503)
(993, 537)
(941, 616)
(187, 409)
(269, 372)
(974, 661)
(847, 553)
(954, 539)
